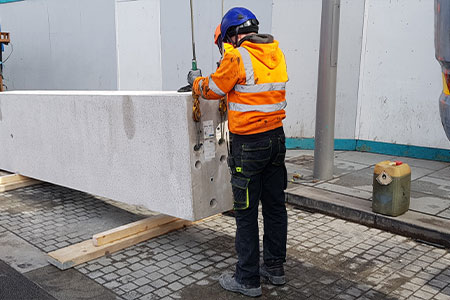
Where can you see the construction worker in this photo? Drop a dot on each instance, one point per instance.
(253, 76)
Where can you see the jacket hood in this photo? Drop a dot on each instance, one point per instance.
(264, 48)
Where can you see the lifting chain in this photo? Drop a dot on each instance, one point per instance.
(196, 116)
(196, 113)
(223, 112)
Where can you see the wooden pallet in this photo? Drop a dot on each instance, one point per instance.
(114, 240)
(14, 181)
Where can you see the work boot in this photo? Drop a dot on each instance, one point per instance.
(274, 274)
(228, 282)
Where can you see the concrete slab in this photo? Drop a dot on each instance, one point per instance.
(363, 157)
(341, 167)
(133, 147)
(444, 173)
(69, 285)
(419, 172)
(15, 286)
(432, 186)
(301, 164)
(444, 214)
(345, 190)
(295, 169)
(428, 204)
(295, 153)
(361, 179)
(19, 254)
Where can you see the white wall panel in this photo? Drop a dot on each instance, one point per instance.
(138, 45)
(400, 79)
(60, 44)
(296, 25)
(349, 58)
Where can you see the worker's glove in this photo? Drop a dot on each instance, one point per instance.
(192, 75)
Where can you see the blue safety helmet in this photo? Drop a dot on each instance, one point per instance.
(239, 20)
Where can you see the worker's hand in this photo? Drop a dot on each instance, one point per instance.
(192, 75)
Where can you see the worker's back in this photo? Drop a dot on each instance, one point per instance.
(257, 101)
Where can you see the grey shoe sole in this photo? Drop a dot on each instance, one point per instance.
(275, 280)
(249, 292)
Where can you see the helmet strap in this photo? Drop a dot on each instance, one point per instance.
(236, 37)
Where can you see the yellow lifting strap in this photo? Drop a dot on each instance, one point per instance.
(446, 91)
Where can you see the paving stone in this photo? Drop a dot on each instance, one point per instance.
(175, 286)
(166, 271)
(438, 283)
(444, 278)
(187, 280)
(128, 287)
(162, 264)
(441, 296)
(446, 291)
(184, 272)
(133, 260)
(136, 266)
(145, 289)
(131, 295)
(139, 274)
(158, 283)
(141, 281)
(123, 271)
(162, 292)
(171, 278)
(154, 276)
(423, 295)
(112, 284)
(110, 277)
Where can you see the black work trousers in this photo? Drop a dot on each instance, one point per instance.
(259, 173)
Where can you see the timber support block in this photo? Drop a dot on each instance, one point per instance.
(14, 181)
(114, 240)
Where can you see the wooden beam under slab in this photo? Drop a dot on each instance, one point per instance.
(124, 231)
(12, 178)
(15, 181)
(85, 251)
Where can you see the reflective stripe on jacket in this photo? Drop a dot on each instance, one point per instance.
(254, 77)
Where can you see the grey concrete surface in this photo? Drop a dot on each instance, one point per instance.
(328, 258)
(15, 286)
(135, 147)
(428, 178)
(19, 254)
(69, 285)
(430, 190)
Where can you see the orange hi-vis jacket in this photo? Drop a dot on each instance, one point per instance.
(253, 76)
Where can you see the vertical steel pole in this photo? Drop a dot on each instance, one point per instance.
(326, 90)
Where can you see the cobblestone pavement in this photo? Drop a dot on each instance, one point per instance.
(328, 258)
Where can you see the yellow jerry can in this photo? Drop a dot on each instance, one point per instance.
(391, 188)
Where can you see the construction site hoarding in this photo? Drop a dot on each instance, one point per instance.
(133, 147)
